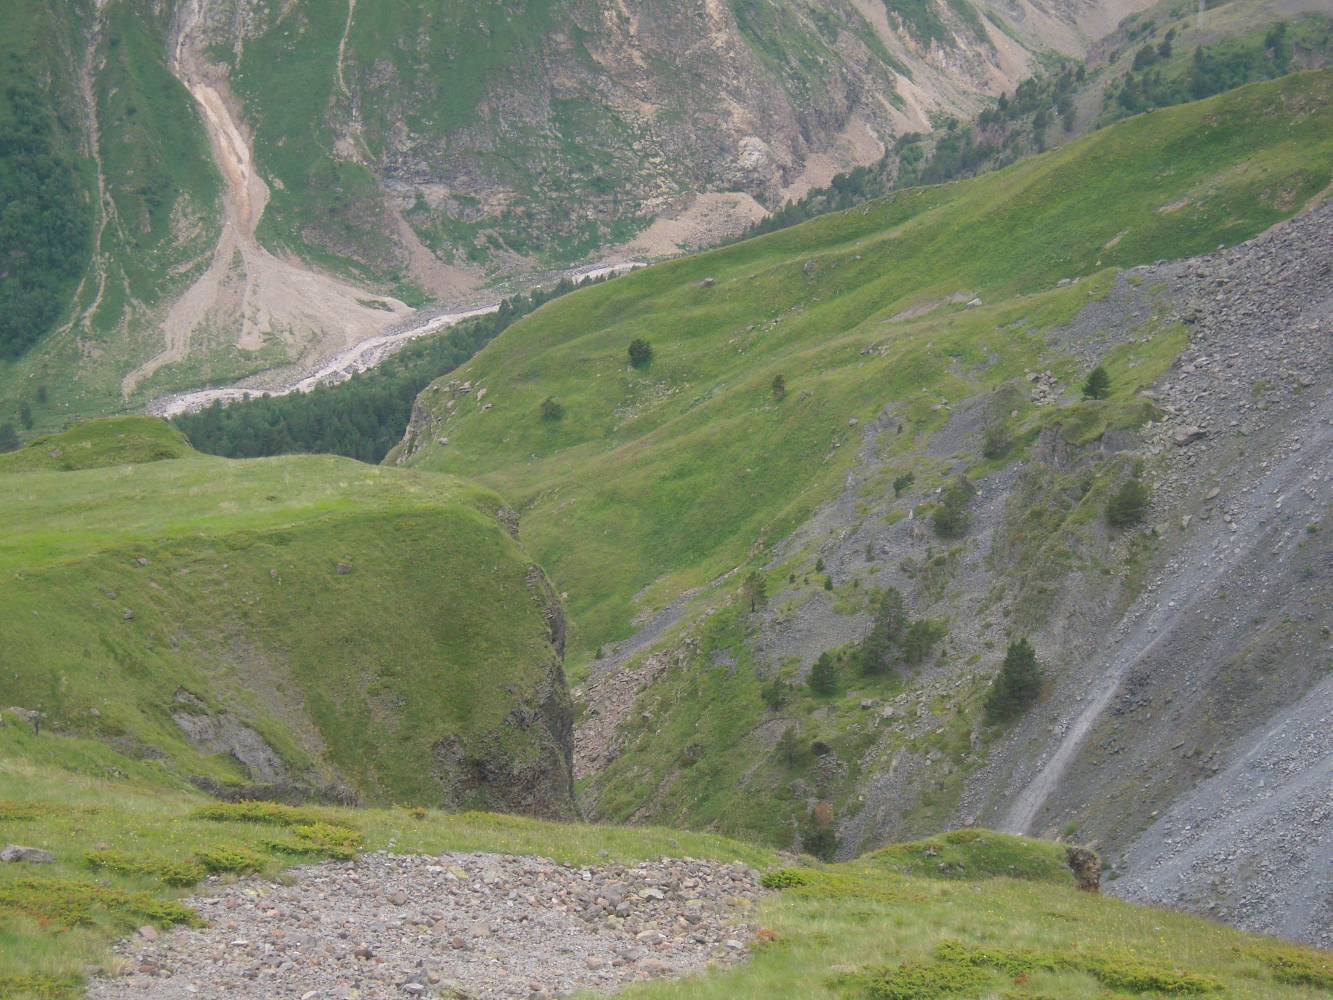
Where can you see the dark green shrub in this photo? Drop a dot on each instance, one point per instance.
(551, 409)
(920, 638)
(1018, 684)
(640, 353)
(951, 515)
(824, 676)
(903, 482)
(791, 751)
(1128, 505)
(997, 441)
(786, 878)
(779, 388)
(1098, 384)
(775, 693)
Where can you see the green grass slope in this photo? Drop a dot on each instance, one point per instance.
(654, 481)
(984, 915)
(359, 621)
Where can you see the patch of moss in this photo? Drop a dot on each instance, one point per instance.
(786, 878)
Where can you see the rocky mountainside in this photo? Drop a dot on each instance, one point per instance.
(719, 530)
(248, 184)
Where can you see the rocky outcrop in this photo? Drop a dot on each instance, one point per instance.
(224, 733)
(526, 764)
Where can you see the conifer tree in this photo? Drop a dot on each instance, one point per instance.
(1098, 385)
(824, 676)
(1018, 684)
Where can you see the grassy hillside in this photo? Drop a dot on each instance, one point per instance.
(967, 915)
(657, 480)
(328, 624)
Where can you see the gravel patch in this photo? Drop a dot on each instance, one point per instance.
(475, 926)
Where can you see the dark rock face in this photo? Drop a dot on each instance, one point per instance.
(527, 765)
(1087, 868)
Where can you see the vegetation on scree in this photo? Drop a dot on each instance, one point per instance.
(952, 518)
(1098, 384)
(1156, 80)
(1129, 504)
(364, 417)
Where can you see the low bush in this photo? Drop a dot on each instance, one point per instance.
(175, 873)
(1128, 505)
(270, 813)
(73, 903)
(1296, 966)
(229, 859)
(786, 878)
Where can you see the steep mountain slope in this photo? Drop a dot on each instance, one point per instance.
(906, 332)
(309, 626)
(267, 183)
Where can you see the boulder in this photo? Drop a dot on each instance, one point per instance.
(1187, 435)
(17, 853)
(1087, 868)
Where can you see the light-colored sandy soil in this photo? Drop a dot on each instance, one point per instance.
(247, 290)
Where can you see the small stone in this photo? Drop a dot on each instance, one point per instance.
(398, 898)
(148, 932)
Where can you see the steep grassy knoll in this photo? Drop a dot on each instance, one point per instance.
(653, 481)
(310, 622)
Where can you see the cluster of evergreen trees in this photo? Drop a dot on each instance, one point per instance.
(999, 136)
(45, 226)
(364, 417)
(1154, 82)
(1019, 123)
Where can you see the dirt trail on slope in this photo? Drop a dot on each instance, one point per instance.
(247, 293)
